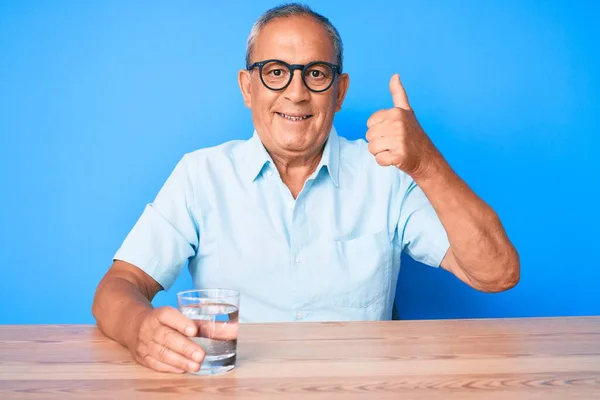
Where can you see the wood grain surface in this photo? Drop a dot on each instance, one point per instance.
(540, 358)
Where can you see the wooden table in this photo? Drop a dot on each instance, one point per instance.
(542, 358)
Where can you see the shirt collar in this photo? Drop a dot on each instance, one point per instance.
(255, 157)
(331, 157)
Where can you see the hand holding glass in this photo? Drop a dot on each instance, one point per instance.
(215, 313)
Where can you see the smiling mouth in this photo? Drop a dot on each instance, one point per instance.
(294, 117)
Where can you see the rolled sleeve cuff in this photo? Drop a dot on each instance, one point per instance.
(429, 245)
(437, 251)
(156, 247)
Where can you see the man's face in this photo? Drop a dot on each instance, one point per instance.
(295, 40)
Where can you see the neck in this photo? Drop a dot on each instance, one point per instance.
(295, 170)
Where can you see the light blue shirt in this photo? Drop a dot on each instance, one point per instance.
(332, 254)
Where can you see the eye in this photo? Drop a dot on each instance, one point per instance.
(318, 72)
(276, 72)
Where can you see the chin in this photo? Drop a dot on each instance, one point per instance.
(293, 142)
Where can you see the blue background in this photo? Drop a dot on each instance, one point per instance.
(99, 101)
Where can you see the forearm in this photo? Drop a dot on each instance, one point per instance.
(479, 246)
(117, 305)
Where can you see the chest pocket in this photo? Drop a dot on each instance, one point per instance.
(365, 263)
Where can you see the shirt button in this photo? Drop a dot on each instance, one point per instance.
(299, 315)
(291, 204)
(298, 259)
(269, 173)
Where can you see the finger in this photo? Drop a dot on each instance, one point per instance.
(172, 358)
(382, 144)
(218, 330)
(175, 341)
(159, 366)
(378, 117)
(399, 95)
(376, 132)
(174, 319)
(384, 158)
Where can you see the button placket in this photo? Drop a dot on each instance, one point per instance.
(298, 242)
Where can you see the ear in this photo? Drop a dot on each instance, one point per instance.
(245, 82)
(342, 89)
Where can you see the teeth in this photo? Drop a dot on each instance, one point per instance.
(294, 118)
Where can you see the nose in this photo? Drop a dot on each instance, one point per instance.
(296, 90)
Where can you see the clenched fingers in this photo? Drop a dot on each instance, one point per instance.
(385, 143)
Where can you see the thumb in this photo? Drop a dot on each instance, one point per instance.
(217, 330)
(398, 93)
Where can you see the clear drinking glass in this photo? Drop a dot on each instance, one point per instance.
(216, 314)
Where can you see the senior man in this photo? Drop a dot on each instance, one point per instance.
(307, 225)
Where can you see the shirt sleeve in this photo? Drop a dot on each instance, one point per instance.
(420, 232)
(166, 234)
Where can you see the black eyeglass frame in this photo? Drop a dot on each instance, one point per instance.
(292, 67)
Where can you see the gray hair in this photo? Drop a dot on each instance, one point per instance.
(294, 10)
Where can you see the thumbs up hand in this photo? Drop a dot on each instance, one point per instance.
(396, 138)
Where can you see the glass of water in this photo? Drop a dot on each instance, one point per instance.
(216, 313)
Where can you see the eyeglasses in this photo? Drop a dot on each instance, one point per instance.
(318, 76)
